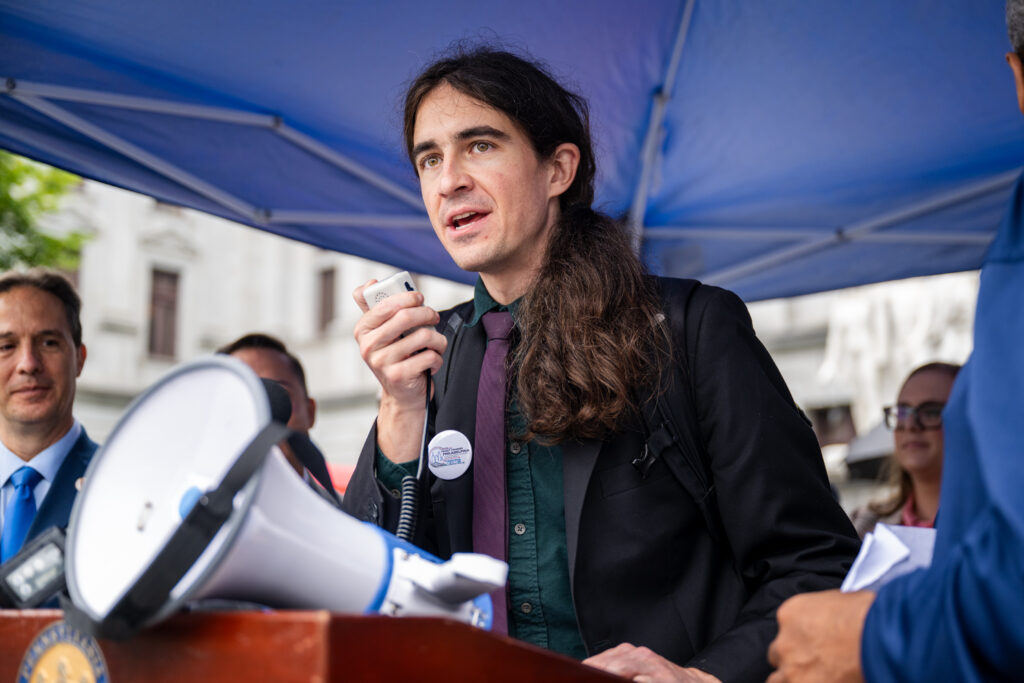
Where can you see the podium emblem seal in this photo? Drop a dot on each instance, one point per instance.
(63, 653)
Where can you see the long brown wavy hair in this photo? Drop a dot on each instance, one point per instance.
(591, 340)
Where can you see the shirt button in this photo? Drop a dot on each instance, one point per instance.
(526, 607)
(520, 529)
(515, 447)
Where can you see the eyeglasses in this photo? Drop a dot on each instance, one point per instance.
(927, 415)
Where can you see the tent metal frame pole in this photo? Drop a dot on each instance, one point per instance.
(349, 219)
(860, 229)
(22, 89)
(143, 157)
(966, 238)
(778, 234)
(134, 103)
(728, 233)
(307, 143)
(652, 139)
(927, 206)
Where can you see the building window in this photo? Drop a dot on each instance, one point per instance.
(163, 313)
(325, 312)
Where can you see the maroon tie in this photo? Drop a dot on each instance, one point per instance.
(490, 525)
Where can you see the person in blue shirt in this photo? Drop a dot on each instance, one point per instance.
(959, 619)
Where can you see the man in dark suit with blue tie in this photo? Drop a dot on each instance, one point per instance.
(43, 449)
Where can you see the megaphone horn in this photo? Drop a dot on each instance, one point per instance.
(189, 499)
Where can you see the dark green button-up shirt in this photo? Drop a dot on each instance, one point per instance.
(540, 601)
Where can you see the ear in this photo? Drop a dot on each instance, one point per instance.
(1018, 77)
(311, 407)
(564, 162)
(80, 361)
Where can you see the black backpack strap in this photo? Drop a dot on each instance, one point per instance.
(313, 460)
(674, 433)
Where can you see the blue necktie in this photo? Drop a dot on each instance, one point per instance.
(19, 513)
(490, 516)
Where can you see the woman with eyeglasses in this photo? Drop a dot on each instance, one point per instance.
(915, 469)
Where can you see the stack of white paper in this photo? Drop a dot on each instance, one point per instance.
(889, 552)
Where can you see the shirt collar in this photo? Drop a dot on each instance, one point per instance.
(908, 516)
(483, 302)
(46, 461)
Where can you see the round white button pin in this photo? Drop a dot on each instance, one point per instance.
(449, 454)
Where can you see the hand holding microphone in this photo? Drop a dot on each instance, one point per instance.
(418, 350)
(395, 328)
(399, 344)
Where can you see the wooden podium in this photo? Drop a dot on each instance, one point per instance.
(293, 646)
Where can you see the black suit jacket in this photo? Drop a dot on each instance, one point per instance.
(643, 565)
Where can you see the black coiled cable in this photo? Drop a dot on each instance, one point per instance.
(407, 513)
(411, 485)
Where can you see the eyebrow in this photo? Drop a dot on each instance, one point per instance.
(6, 334)
(466, 134)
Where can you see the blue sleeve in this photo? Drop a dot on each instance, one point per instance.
(962, 619)
(959, 620)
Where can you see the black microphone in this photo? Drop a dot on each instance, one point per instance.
(36, 573)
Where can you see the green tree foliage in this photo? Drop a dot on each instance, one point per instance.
(28, 191)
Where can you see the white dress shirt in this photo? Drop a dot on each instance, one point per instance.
(46, 462)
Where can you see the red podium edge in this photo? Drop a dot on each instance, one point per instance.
(307, 646)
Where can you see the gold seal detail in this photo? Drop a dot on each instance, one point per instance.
(62, 654)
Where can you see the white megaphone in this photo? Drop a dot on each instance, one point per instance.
(190, 499)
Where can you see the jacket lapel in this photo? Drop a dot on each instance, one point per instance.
(56, 507)
(457, 410)
(578, 459)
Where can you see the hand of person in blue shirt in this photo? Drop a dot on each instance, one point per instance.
(819, 638)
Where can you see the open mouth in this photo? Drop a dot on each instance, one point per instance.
(464, 219)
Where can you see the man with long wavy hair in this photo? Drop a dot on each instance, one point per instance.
(959, 619)
(611, 559)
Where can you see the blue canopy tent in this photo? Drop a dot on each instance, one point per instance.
(773, 148)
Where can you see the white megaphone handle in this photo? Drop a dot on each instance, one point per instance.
(461, 578)
(421, 586)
